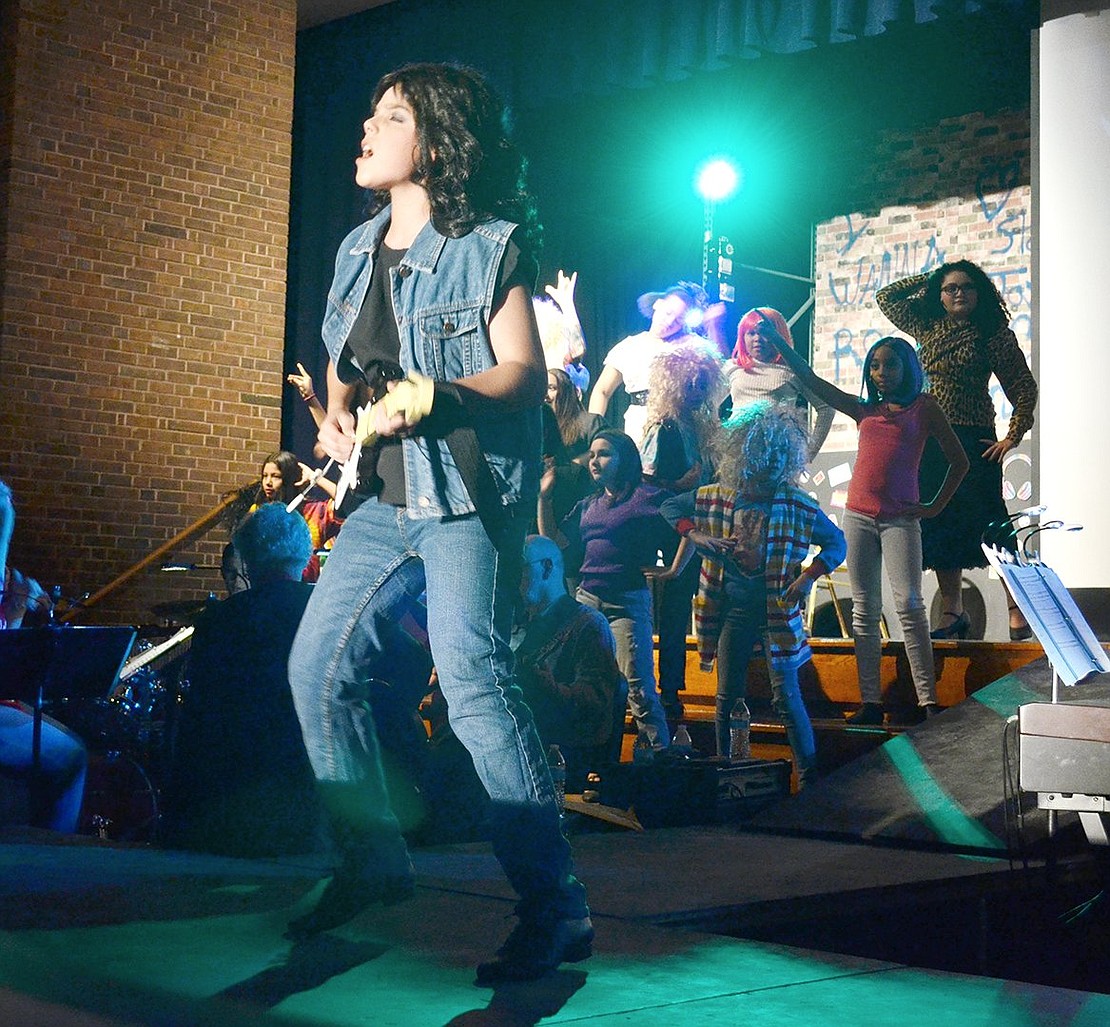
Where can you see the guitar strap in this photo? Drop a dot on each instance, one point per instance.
(462, 442)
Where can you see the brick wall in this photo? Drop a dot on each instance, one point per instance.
(145, 213)
(959, 189)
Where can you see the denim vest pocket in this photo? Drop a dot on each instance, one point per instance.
(452, 342)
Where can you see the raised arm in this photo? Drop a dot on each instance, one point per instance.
(607, 383)
(823, 415)
(822, 390)
(302, 381)
(903, 303)
(562, 292)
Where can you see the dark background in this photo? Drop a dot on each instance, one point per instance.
(617, 104)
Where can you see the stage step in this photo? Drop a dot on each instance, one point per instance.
(830, 688)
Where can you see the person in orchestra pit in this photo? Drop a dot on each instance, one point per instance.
(566, 662)
(239, 781)
(59, 780)
(438, 286)
(281, 479)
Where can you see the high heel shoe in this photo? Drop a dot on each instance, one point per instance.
(959, 628)
(1022, 633)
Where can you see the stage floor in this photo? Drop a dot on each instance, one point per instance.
(97, 933)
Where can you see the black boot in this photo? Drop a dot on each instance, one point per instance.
(870, 713)
(533, 948)
(374, 867)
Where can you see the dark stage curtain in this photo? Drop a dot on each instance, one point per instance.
(600, 87)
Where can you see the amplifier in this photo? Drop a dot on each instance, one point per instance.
(1064, 747)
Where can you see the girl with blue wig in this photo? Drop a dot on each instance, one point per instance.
(882, 520)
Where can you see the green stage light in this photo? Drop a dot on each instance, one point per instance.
(717, 180)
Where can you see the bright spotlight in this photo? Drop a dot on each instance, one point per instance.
(717, 180)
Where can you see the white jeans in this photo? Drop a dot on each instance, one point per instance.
(897, 543)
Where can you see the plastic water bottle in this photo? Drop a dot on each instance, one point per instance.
(642, 750)
(558, 767)
(681, 744)
(740, 732)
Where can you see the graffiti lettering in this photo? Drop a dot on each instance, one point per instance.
(994, 186)
(853, 235)
(1015, 287)
(1014, 230)
(847, 354)
(907, 258)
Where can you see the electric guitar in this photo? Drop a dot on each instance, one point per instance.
(412, 397)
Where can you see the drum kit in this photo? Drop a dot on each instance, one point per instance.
(129, 730)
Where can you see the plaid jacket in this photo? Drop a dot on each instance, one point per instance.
(789, 530)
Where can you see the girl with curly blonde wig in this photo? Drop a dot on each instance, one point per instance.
(685, 388)
(753, 528)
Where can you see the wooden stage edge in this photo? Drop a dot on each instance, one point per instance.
(830, 687)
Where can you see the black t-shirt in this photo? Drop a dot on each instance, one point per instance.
(376, 346)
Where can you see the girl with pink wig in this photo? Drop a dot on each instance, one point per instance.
(756, 371)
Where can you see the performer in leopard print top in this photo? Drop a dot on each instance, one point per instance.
(961, 325)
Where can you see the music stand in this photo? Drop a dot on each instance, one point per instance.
(1063, 748)
(53, 663)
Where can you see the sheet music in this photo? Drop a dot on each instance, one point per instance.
(1069, 643)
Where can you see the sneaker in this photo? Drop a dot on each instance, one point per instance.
(870, 713)
(347, 895)
(532, 949)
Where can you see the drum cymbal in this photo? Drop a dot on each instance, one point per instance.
(183, 611)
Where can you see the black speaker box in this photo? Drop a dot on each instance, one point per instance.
(676, 793)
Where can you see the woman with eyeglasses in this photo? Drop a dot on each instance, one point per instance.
(961, 325)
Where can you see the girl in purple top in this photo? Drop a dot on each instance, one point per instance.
(882, 522)
(618, 531)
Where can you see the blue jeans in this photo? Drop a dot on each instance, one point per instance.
(629, 617)
(58, 782)
(895, 543)
(382, 561)
(741, 628)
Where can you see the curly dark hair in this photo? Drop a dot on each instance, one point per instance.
(990, 313)
(470, 169)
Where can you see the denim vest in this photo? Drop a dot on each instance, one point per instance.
(443, 290)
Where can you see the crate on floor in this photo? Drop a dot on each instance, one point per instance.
(676, 793)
